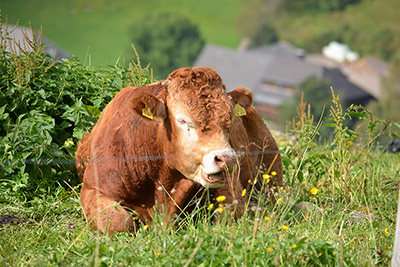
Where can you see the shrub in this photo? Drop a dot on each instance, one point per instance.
(46, 107)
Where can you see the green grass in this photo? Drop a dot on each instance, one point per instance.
(353, 183)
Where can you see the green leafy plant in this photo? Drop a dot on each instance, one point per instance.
(46, 107)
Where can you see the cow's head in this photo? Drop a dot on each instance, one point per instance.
(195, 114)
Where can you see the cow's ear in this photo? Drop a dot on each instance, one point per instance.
(242, 96)
(149, 107)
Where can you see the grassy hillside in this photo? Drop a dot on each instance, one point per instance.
(99, 28)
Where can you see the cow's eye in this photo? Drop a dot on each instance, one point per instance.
(181, 122)
(185, 124)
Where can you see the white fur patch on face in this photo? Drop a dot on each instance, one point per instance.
(204, 165)
(187, 129)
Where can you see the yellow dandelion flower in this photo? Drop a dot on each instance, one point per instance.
(249, 181)
(285, 227)
(159, 253)
(221, 198)
(266, 176)
(279, 200)
(274, 246)
(269, 249)
(294, 246)
(314, 191)
(386, 231)
(210, 206)
(281, 142)
(267, 218)
(145, 227)
(273, 173)
(220, 208)
(244, 192)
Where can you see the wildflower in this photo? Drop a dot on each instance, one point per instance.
(386, 231)
(273, 173)
(267, 178)
(244, 192)
(145, 227)
(285, 227)
(279, 201)
(267, 218)
(294, 246)
(249, 181)
(210, 207)
(220, 208)
(314, 191)
(274, 246)
(281, 142)
(221, 198)
(159, 253)
(72, 226)
(214, 230)
(269, 249)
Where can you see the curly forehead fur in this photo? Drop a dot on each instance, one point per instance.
(201, 90)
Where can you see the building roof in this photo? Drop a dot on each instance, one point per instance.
(273, 72)
(279, 64)
(365, 73)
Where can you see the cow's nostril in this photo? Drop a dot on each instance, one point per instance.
(218, 159)
(224, 161)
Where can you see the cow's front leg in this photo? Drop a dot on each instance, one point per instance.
(106, 214)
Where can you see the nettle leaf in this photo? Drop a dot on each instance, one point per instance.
(78, 133)
(93, 110)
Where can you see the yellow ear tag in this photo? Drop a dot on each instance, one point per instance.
(147, 113)
(239, 110)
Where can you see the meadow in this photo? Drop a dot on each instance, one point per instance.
(338, 206)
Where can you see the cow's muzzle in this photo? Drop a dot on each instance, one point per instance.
(218, 164)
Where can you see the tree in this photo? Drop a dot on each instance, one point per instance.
(316, 93)
(255, 20)
(265, 35)
(167, 41)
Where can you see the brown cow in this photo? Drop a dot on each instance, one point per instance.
(154, 143)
